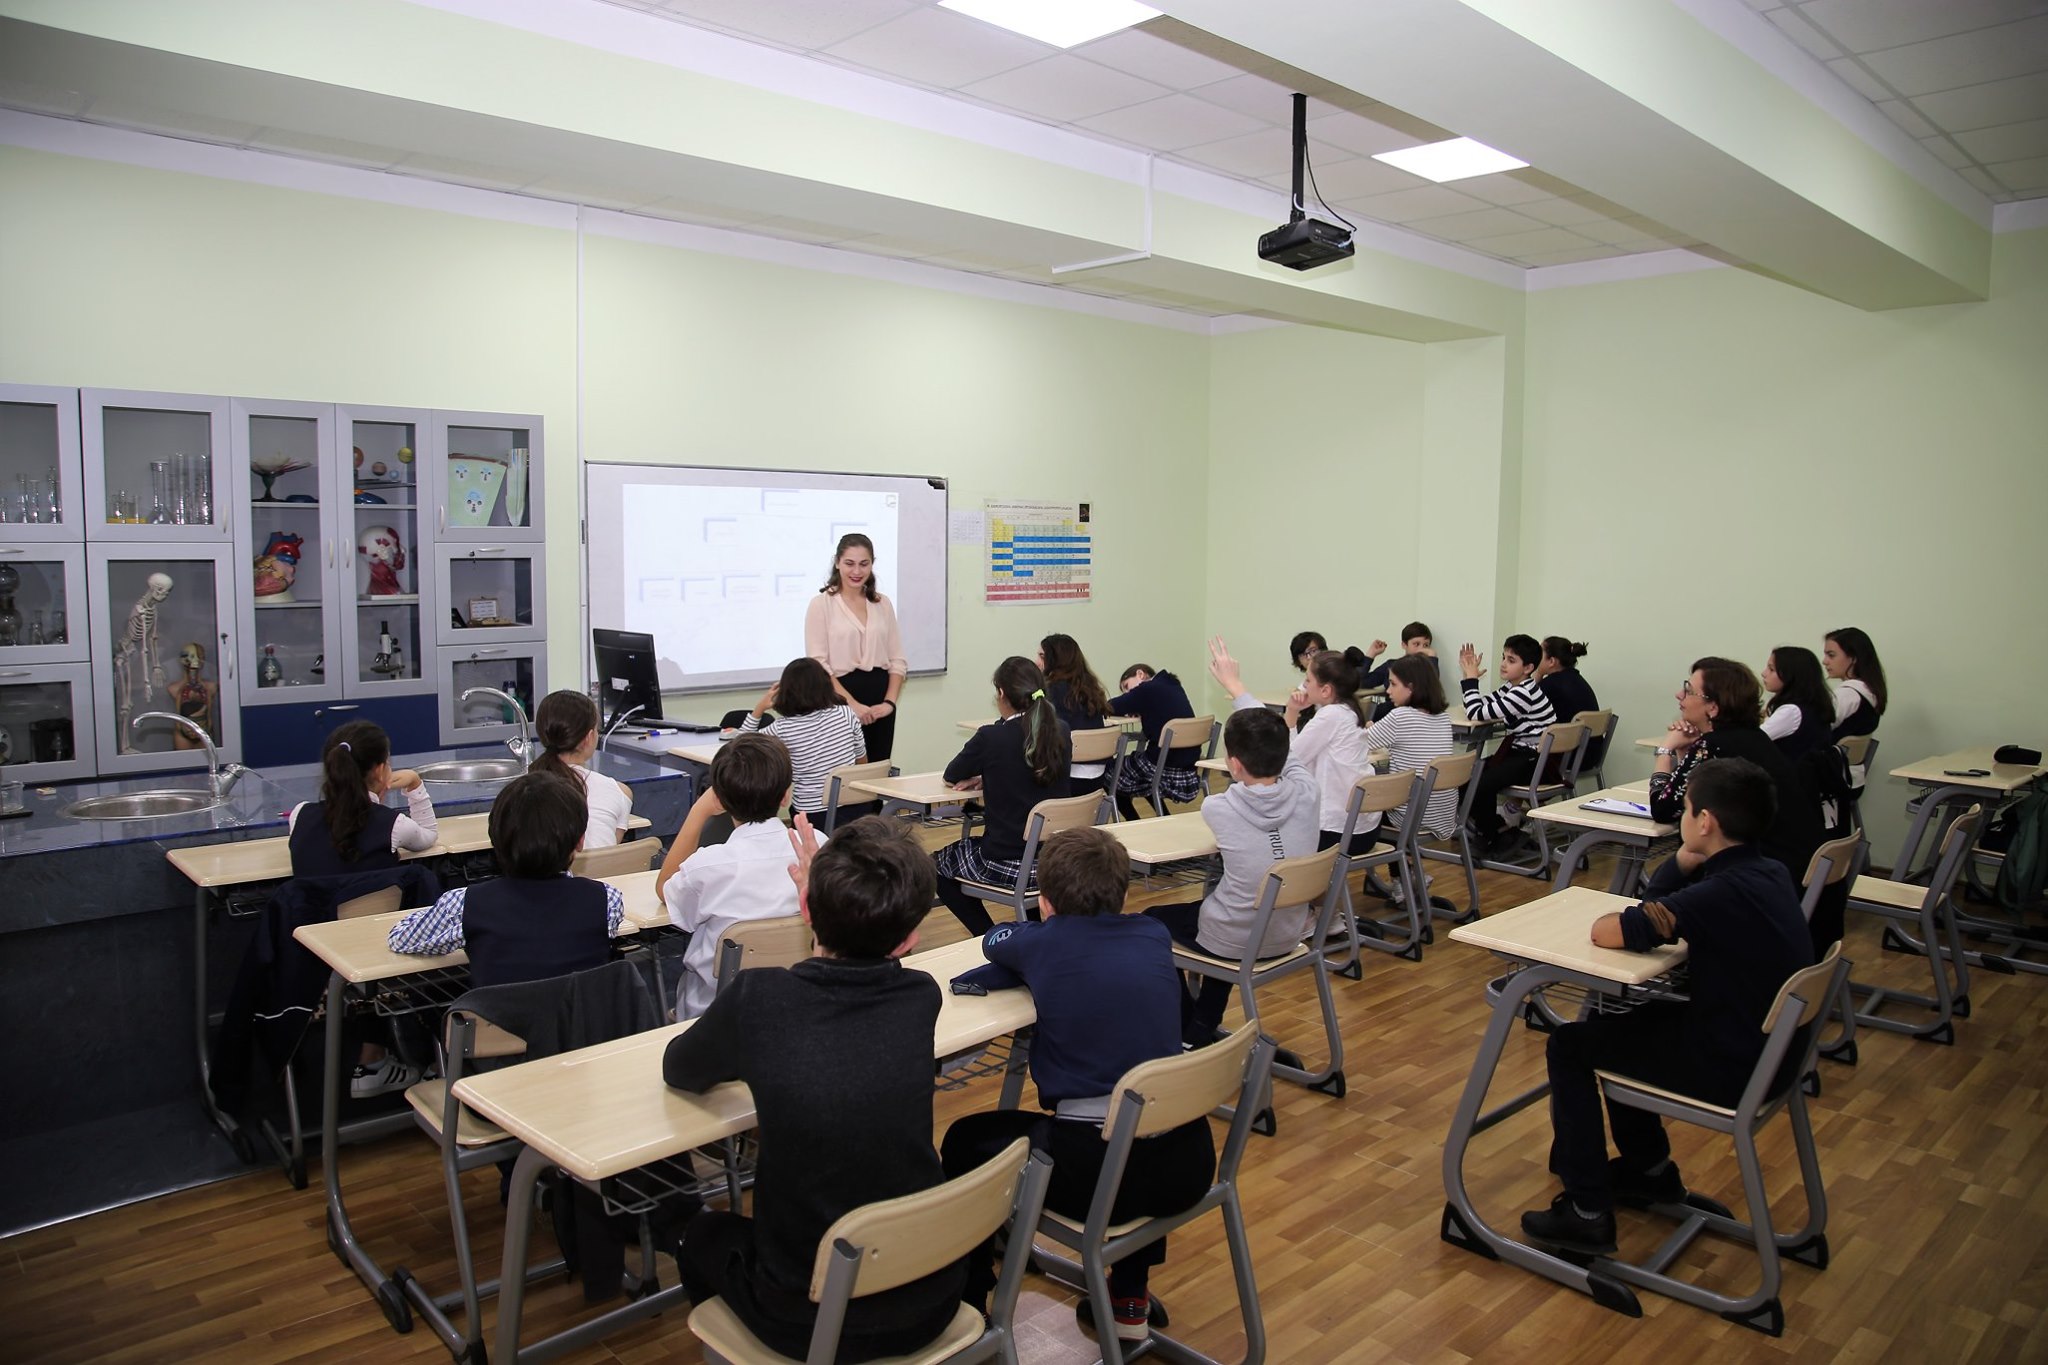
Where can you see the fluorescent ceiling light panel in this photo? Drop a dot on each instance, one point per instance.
(1458, 159)
(1063, 23)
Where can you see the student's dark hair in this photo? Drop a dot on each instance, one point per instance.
(1737, 793)
(1258, 739)
(1863, 664)
(1523, 647)
(1417, 630)
(350, 755)
(536, 824)
(562, 721)
(1148, 670)
(1084, 872)
(1305, 642)
(1065, 663)
(1424, 683)
(1730, 685)
(1339, 671)
(749, 774)
(847, 542)
(1023, 687)
(1804, 684)
(870, 886)
(804, 687)
(1566, 652)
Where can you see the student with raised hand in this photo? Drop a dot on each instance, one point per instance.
(837, 1051)
(1415, 732)
(1524, 709)
(816, 726)
(1860, 696)
(1416, 639)
(1332, 744)
(1154, 697)
(566, 725)
(1801, 714)
(1080, 701)
(1108, 999)
(1738, 912)
(1015, 763)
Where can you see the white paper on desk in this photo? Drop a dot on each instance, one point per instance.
(967, 526)
(1609, 806)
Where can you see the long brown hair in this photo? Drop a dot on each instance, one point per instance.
(352, 753)
(1863, 664)
(1023, 687)
(848, 542)
(564, 720)
(1418, 673)
(1335, 670)
(1064, 663)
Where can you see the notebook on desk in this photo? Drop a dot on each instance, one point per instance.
(1609, 806)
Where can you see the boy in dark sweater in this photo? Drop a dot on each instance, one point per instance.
(1108, 998)
(838, 1053)
(1738, 913)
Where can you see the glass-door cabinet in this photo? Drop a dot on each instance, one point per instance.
(291, 604)
(40, 467)
(164, 616)
(42, 604)
(469, 716)
(156, 466)
(388, 581)
(487, 478)
(46, 732)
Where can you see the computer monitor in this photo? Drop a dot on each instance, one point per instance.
(626, 675)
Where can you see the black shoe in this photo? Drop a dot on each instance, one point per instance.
(1637, 1190)
(1282, 1057)
(1135, 1318)
(1563, 1227)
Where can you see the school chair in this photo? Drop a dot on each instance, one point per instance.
(1861, 751)
(1940, 942)
(1152, 1098)
(1178, 736)
(1105, 746)
(1600, 728)
(1565, 742)
(1290, 883)
(616, 860)
(880, 1246)
(782, 941)
(852, 772)
(1832, 864)
(1459, 772)
(1048, 817)
(1791, 1035)
(1381, 795)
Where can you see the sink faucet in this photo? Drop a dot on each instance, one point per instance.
(523, 748)
(220, 777)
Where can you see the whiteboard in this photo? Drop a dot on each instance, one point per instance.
(719, 565)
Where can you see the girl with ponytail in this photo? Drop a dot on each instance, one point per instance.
(1015, 763)
(350, 829)
(566, 725)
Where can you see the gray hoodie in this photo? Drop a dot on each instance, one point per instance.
(1255, 827)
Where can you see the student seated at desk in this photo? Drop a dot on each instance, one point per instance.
(1738, 912)
(533, 921)
(818, 729)
(1078, 698)
(1332, 743)
(1860, 696)
(1415, 732)
(566, 725)
(1154, 698)
(712, 887)
(1017, 762)
(1557, 673)
(838, 1053)
(1801, 715)
(1271, 810)
(1416, 640)
(1524, 709)
(1108, 999)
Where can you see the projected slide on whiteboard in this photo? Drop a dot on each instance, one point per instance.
(719, 565)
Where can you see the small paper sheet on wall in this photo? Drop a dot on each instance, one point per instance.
(1038, 552)
(965, 528)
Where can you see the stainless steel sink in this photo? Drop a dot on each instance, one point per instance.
(471, 770)
(141, 805)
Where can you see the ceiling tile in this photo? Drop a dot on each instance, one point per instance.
(1982, 180)
(1430, 201)
(154, 118)
(366, 154)
(1172, 123)
(1573, 257)
(1063, 89)
(693, 211)
(800, 230)
(1156, 59)
(1565, 212)
(2027, 179)
(802, 24)
(1359, 135)
(2011, 142)
(1542, 240)
(1983, 106)
(1503, 189)
(1259, 97)
(1353, 179)
(1270, 151)
(1987, 54)
(43, 99)
(1907, 117)
(1463, 227)
(1950, 155)
(1794, 26)
(1850, 69)
(939, 48)
(1868, 25)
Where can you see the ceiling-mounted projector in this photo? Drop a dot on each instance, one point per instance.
(1302, 242)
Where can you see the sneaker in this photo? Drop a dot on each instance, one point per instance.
(1640, 1190)
(389, 1074)
(1134, 1317)
(1564, 1228)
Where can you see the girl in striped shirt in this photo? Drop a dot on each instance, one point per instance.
(1415, 733)
(1523, 708)
(818, 728)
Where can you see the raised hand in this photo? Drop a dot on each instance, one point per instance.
(803, 842)
(1224, 669)
(1375, 649)
(1469, 661)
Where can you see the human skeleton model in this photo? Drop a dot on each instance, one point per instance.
(138, 667)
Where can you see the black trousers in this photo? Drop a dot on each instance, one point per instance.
(1652, 1043)
(1201, 1014)
(869, 686)
(1510, 766)
(1361, 841)
(1164, 1175)
(970, 910)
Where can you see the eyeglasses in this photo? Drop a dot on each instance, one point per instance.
(1686, 689)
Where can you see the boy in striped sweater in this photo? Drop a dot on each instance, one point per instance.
(1524, 709)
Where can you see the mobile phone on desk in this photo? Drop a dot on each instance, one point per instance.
(1966, 772)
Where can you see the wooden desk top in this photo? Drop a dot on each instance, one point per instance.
(270, 860)
(699, 752)
(918, 789)
(602, 1110)
(1378, 758)
(1639, 790)
(644, 909)
(1573, 813)
(2004, 777)
(1650, 743)
(1165, 838)
(1464, 722)
(1113, 722)
(1557, 930)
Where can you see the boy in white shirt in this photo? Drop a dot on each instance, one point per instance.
(709, 889)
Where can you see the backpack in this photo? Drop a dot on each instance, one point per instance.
(2023, 876)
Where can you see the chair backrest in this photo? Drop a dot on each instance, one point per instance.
(782, 941)
(1955, 851)
(1832, 861)
(1181, 1088)
(851, 772)
(907, 1238)
(1858, 748)
(1599, 724)
(1097, 746)
(486, 1038)
(1809, 984)
(1379, 794)
(1057, 813)
(1453, 771)
(376, 903)
(1567, 741)
(1189, 732)
(1299, 881)
(635, 855)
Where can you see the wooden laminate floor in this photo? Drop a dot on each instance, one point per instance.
(1934, 1160)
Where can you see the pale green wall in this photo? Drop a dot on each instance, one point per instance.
(1719, 464)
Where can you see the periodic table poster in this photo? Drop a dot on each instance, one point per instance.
(1038, 552)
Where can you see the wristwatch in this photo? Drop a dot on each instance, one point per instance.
(1663, 752)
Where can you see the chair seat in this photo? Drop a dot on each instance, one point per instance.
(471, 1129)
(1548, 790)
(1080, 1225)
(721, 1331)
(1644, 1087)
(988, 891)
(1186, 954)
(1879, 891)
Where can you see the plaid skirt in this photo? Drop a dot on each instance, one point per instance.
(965, 862)
(1180, 784)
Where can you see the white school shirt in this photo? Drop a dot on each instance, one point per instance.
(1332, 745)
(611, 805)
(413, 832)
(835, 639)
(720, 885)
(1783, 723)
(1851, 696)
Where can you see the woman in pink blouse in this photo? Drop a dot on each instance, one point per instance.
(851, 629)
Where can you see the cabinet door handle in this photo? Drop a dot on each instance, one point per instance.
(325, 709)
(444, 517)
(487, 550)
(483, 653)
(12, 550)
(15, 673)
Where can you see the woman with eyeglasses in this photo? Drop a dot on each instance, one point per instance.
(1720, 715)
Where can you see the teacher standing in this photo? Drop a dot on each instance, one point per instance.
(851, 629)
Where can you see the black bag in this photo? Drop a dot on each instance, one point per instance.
(2023, 876)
